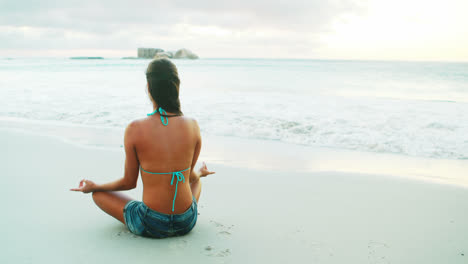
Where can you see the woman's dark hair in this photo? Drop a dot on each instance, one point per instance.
(163, 85)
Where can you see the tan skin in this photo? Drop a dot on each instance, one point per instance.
(156, 148)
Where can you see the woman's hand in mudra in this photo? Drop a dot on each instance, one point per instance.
(204, 170)
(201, 172)
(85, 186)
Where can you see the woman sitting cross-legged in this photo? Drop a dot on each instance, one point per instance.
(164, 148)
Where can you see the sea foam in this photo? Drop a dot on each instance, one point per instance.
(410, 108)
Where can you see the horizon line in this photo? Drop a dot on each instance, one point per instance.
(235, 58)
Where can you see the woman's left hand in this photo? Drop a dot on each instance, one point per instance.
(204, 171)
(85, 186)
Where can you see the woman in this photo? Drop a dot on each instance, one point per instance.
(164, 147)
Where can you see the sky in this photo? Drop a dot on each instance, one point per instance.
(315, 29)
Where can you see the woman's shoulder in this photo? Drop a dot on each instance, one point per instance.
(192, 123)
(189, 119)
(133, 127)
(142, 123)
(136, 123)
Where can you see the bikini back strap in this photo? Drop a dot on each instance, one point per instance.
(176, 174)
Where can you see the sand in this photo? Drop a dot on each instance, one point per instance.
(247, 215)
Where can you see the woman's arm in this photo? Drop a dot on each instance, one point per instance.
(194, 176)
(203, 171)
(129, 180)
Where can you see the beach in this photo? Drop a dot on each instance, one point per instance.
(317, 161)
(247, 215)
(337, 131)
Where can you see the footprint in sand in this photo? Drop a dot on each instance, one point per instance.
(217, 224)
(378, 252)
(224, 253)
(124, 233)
(212, 252)
(222, 229)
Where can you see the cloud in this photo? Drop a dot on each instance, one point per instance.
(209, 24)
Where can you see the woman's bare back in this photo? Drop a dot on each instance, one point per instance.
(166, 149)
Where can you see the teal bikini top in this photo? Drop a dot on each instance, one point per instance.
(178, 174)
(163, 115)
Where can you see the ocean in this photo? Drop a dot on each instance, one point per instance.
(417, 109)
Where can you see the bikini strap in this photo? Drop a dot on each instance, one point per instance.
(180, 178)
(161, 111)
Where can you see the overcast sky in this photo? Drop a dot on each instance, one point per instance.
(335, 29)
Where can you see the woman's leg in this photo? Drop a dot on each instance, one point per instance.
(112, 203)
(196, 189)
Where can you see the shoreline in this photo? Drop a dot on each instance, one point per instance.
(246, 215)
(225, 150)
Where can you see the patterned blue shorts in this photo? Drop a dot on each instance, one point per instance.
(143, 221)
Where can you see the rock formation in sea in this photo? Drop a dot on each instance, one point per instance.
(151, 53)
(164, 54)
(185, 54)
(148, 52)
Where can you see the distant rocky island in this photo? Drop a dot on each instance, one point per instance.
(152, 53)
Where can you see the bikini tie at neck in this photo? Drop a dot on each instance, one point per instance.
(163, 115)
